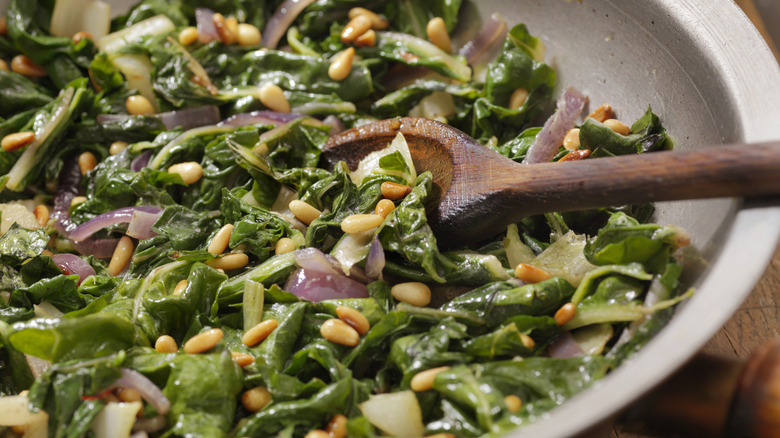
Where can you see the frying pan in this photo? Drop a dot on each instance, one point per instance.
(706, 71)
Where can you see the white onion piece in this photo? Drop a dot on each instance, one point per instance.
(148, 390)
(116, 420)
(550, 138)
(264, 117)
(278, 24)
(37, 365)
(207, 32)
(317, 286)
(395, 413)
(72, 16)
(375, 262)
(565, 346)
(140, 226)
(489, 38)
(157, 25)
(14, 412)
(118, 216)
(73, 264)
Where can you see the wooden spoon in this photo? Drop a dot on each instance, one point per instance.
(479, 192)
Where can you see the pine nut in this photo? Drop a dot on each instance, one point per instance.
(26, 67)
(78, 36)
(3, 25)
(223, 29)
(242, 359)
(248, 35)
(258, 333)
(423, 381)
(77, 200)
(414, 293)
(518, 98)
(117, 147)
(527, 341)
(121, 257)
(46, 252)
(203, 341)
(384, 207)
(42, 215)
(513, 403)
(180, 288)
(128, 395)
(256, 399)
(602, 113)
(394, 191)
(228, 262)
(565, 313)
(190, 171)
(355, 319)
(377, 22)
(188, 35)
(317, 433)
(572, 139)
(303, 211)
(19, 430)
(285, 245)
(232, 26)
(368, 39)
(337, 427)
(531, 274)
(219, 242)
(341, 65)
(4, 65)
(357, 26)
(580, 154)
(17, 140)
(617, 126)
(273, 98)
(87, 162)
(166, 344)
(338, 332)
(357, 223)
(438, 35)
(138, 105)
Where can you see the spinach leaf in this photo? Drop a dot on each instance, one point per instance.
(19, 244)
(647, 135)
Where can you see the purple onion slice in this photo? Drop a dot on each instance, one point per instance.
(148, 390)
(317, 286)
(264, 117)
(73, 264)
(489, 38)
(550, 138)
(375, 261)
(118, 216)
(207, 32)
(281, 20)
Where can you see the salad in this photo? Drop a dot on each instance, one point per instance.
(176, 260)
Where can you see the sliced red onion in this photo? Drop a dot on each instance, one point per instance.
(565, 346)
(550, 138)
(281, 20)
(141, 161)
(336, 127)
(140, 226)
(186, 118)
(260, 118)
(67, 189)
(490, 37)
(315, 260)
(100, 248)
(206, 30)
(375, 261)
(148, 390)
(118, 216)
(317, 286)
(73, 264)
(149, 425)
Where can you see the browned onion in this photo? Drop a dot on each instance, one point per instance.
(284, 16)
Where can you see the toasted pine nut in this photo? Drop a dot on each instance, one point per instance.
(203, 341)
(531, 274)
(341, 65)
(21, 430)
(117, 147)
(190, 171)
(26, 67)
(355, 319)
(242, 359)
(121, 257)
(4, 65)
(368, 39)
(565, 313)
(579, 154)
(248, 35)
(377, 22)
(513, 403)
(258, 333)
(423, 381)
(285, 245)
(518, 98)
(273, 97)
(232, 26)
(138, 105)
(180, 288)
(46, 252)
(617, 126)
(87, 162)
(41, 213)
(303, 211)
(188, 35)
(438, 35)
(17, 140)
(256, 399)
(78, 36)
(394, 191)
(414, 293)
(317, 433)
(128, 395)
(357, 223)
(223, 29)
(228, 262)
(528, 342)
(339, 332)
(337, 426)
(572, 139)
(384, 207)
(219, 242)
(3, 25)
(602, 113)
(357, 26)
(681, 238)
(77, 200)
